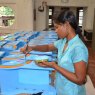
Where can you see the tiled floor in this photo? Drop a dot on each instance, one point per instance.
(90, 90)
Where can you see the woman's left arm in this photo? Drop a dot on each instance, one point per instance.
(78, 77)
(80, 72)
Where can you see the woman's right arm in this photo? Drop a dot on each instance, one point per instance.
(43, 48)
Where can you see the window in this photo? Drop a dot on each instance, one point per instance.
(50, 21)
(50, 11)
(7, 17)
(80, 16)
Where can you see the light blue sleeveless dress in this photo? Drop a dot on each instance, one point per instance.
(76, 51)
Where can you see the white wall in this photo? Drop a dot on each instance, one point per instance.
(23, 15)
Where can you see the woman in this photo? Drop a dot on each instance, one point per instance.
(72, 56)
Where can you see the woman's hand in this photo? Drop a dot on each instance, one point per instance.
(23, 49)
(47, 64)
(26, 49)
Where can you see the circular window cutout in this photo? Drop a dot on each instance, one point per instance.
(7, 17)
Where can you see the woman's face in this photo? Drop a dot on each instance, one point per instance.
(61, 30)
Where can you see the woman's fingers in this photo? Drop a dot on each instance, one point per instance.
(45, 64)
(49, 64)
(41, 64)
(24, 50)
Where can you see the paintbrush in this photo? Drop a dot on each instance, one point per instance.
(26, 50)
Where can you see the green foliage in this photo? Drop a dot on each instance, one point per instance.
(6, 11)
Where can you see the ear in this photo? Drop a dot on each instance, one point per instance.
(67, 27)
(67, 23)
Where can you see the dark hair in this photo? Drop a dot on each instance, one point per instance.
(70, 17)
